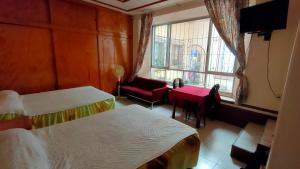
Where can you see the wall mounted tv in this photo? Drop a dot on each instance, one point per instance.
(265, 17)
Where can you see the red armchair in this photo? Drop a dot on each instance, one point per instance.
(148, 90)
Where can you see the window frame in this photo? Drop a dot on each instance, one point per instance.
(168, 52)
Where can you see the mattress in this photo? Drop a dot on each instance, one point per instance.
(125, 138)
(58, 100)
(48, 108)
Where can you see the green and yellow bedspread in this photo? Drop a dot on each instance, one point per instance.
(44, 120)
(10, 116)
(183, 155)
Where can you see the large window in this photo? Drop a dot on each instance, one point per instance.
(193, 51)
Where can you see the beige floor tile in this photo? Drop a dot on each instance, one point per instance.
(219, 167)
(205, 164)
(229, 163)
(123, 101)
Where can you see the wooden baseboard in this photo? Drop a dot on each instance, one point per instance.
(241, 115)
(241, 155)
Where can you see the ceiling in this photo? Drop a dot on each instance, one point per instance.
(133, 7)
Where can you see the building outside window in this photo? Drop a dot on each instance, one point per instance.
(193, 51)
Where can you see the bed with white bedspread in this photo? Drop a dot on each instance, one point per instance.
(52, 107)
(126, 138)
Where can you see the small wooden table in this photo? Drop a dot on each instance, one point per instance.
(190, 93)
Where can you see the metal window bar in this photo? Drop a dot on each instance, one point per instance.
(170, 70)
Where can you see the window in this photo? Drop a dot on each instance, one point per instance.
(159, 53)
(193, 51)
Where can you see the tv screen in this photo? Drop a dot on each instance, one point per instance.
(264, 17)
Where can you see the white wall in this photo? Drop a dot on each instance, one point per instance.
(280, 51)
(285, 152)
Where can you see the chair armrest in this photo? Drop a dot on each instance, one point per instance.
(21, 122)
(159, 93)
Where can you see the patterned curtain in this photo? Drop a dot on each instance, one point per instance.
(225, 14)
(146, 24)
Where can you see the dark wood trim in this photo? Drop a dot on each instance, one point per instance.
(239, 116)
(259, 108)
(98, 50)
(123, 1)
(24, 24)
(252, 107)
(52, 44)
(46, 26)
(146, 5)
(129, 10)
(106, 4)
(113, 34)
(62, 28)
(101, 58)
(77, 30)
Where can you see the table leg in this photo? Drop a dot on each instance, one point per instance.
(198, 120)
(198, 114)
(174, 109)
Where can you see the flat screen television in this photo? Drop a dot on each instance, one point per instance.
(264, 17)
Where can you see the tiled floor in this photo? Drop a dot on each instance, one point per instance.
(216, 138)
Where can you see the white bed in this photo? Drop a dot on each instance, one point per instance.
(125, 138)
(48, 108)
(59, 100)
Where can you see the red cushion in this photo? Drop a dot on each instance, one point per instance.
(142, 93)
(21, 122)
(148, 84)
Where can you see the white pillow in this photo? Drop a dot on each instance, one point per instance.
(11, 102)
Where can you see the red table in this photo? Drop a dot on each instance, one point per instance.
(189, 93)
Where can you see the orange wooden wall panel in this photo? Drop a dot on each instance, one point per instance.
(113, 21)
(76, 59)
(73, 15)
(107, 60)
(24, 10)
(53, 44)
(115, 45)
(26, 59)
(114, 50)
(123, 49)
